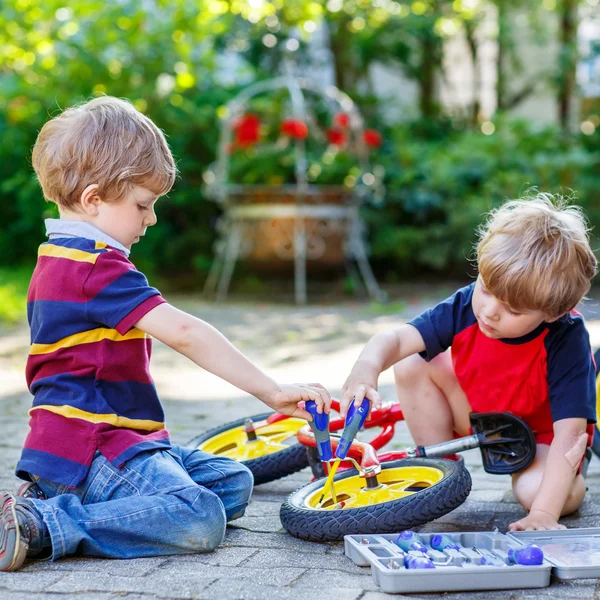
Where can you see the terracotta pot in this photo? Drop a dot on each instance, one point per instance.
(269, 242)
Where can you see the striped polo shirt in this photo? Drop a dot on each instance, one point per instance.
(88, 367)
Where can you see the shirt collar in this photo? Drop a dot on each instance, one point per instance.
(56, 228)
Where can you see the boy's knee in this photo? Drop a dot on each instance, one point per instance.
(205, 533)
(243, 479)
(210, 538)
(409, 369)
(525, 487)
(524, 497)
(241, 483)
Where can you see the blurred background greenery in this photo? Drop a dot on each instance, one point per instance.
(181, 61)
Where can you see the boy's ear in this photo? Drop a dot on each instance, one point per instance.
(90, 200)
(557, 318)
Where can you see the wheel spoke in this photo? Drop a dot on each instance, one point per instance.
(401, 487)
(368, 497)
(234, 443)
(276, 437)
(394, 484)
(253, 449)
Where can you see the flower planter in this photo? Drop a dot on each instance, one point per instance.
(268, 239)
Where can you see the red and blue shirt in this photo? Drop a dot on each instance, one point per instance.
(542, 377)
(88, 367)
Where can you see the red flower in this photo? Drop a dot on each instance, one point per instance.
(246, 130)
(335, 137)
(372, 138)
(294, 128)
(341, 120)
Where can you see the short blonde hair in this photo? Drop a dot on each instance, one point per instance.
(534, 254)
(105, 141)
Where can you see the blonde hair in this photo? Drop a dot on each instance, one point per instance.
(105, 141)
(534, 254)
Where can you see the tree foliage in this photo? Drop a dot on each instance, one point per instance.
(181, 61)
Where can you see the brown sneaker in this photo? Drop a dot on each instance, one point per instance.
(30, 489)
(23, 532)
(14, 539)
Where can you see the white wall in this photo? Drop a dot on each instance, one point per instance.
(457, 89)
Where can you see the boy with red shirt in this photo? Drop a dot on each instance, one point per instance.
(512, 342)
(98, 449)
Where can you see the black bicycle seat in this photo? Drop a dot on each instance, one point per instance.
(506, 442)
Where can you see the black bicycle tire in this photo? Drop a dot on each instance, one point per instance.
(265, 468)
(405, 513)
(596, 438)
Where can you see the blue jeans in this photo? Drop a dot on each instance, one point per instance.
(160, 502)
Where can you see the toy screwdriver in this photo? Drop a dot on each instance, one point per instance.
(355, 419)
(320, 428)
(409, 540)
(443, 542)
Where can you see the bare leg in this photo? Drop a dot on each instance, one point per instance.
(526, 483)
(433, 403)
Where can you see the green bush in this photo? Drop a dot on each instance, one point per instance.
(13, 293)
(438, 190)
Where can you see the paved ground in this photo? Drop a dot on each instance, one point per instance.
(258, 559)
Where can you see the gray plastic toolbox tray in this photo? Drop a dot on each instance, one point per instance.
(462, 572)
(568, 554)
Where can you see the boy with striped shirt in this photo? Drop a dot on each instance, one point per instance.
(98, 450)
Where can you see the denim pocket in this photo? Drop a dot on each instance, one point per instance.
(109, 484)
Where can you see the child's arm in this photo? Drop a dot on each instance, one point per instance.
(209, 349)
(381, 352)
(565, 454)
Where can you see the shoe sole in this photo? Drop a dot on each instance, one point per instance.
(12, 552)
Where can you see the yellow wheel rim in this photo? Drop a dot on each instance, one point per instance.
(394, 483)
(597, 397)
(234, 442)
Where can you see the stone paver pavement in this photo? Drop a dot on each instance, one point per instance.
(258, 559)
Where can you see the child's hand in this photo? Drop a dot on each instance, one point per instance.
(286, 398)
(360, 384)
(536, 519)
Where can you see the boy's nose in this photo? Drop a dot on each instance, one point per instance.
(151, 220)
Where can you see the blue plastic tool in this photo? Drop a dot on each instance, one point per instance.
(409, 540)
(442, 542)
(355, 419)
(418, 561)
(528, 555)
(320, 427)
(492, 561)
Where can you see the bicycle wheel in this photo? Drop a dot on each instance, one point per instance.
(410, 492)
(596, 440)
(275, 452)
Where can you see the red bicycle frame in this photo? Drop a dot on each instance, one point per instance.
(506, 442)
(385, 417)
